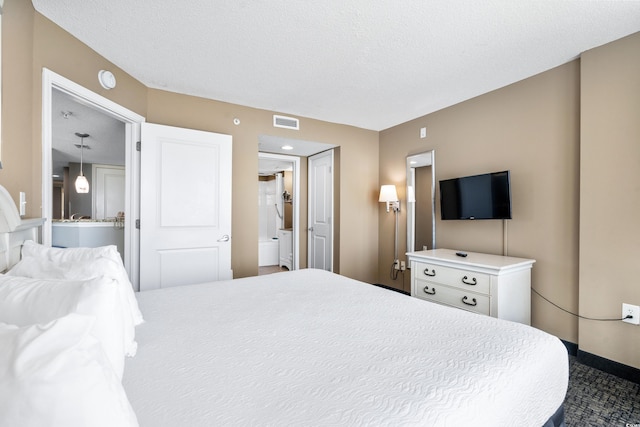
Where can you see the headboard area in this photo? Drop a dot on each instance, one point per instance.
(14, 231)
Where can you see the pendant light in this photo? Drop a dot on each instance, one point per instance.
(82, 185)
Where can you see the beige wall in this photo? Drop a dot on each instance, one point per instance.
(31, 42)
(610, 198)
(532, 129)
(17, 97)
(357, 254)
(570, 138)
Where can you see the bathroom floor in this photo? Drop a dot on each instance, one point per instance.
(268, 269)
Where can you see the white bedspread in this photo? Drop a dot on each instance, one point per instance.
(310, 348)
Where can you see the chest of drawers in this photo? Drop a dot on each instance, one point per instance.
(493, 285)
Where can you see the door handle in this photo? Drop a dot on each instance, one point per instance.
(224, 238)
(311, 229)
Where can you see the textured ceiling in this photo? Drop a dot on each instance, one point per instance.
(368, 64)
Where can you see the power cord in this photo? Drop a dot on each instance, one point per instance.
(628, 316)
(393, 274)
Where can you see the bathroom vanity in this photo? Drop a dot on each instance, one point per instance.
(285, 240)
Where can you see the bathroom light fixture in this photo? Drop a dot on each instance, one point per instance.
(82, 185)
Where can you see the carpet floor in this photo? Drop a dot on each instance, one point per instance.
(596, 398)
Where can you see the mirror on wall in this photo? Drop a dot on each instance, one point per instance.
(421, 201)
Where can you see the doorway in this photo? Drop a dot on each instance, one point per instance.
(278, 212)
(55, 84)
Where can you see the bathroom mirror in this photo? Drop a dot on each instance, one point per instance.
(421, 201)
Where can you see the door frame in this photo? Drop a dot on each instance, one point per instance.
(311, 193)
(296, 200)
(132, 121)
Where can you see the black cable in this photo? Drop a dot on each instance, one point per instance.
(577, 315)
(393, 274)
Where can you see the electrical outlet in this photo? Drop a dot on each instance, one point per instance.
(403, 266)
(396, 265)
(633, 310)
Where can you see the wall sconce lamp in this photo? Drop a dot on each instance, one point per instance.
(389, 195)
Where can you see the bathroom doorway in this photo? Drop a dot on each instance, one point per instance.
(272, 149)
(278, 212)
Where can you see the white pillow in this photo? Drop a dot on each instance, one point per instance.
(83, 264)
(57, 375)
(26, 301)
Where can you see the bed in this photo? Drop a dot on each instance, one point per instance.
(305, 347)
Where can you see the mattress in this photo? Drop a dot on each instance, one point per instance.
(313, 348)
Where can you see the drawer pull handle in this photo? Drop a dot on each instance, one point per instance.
(432, 292)
(472, 303)
(426, 272)
(472, 283)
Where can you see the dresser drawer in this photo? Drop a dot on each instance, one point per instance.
(473, 281)
(452, 296)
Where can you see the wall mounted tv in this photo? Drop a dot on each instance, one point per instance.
(486, 196)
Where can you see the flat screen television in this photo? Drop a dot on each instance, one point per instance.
(486, 196)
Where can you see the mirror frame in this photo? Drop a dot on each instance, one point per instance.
(414, 161)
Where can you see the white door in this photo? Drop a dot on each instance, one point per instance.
(109, 190)
(185, 207)
(321, 211)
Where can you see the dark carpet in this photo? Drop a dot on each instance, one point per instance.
(596, 398)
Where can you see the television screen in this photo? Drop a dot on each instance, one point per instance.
(486, 196)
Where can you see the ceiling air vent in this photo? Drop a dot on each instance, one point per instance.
(286, 122)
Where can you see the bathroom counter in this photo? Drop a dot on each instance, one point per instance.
(84, 223)
(87, 233)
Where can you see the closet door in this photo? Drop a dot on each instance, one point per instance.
(185, 207)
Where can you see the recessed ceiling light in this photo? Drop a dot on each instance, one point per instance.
(287, 147)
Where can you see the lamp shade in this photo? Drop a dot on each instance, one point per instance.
(388, 193)
(82, 185)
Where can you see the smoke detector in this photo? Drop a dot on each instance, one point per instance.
(107, 79)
